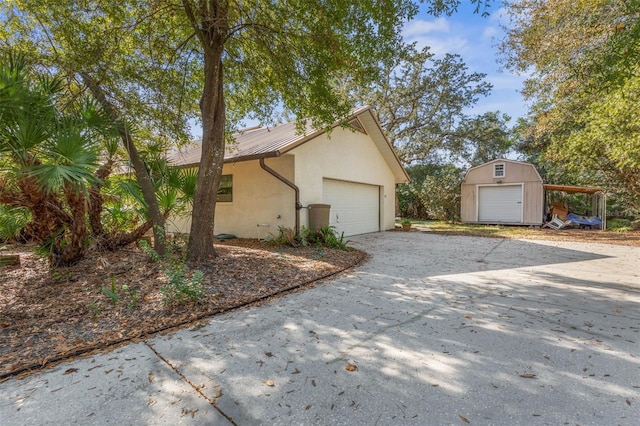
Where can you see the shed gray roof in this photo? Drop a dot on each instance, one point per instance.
(263, 142)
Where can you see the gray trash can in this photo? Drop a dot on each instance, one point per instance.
(318, 216)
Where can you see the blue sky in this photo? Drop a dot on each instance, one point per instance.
(475, 39)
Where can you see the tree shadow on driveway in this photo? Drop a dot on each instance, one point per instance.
(442, 330)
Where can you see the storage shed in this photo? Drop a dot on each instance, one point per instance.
(502, 192)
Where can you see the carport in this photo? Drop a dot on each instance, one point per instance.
(598, 198)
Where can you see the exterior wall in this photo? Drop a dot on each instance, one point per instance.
(515, 172)
(344, 155)
(261, 203)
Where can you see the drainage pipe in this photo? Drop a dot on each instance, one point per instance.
(290, 185)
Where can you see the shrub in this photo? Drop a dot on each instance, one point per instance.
(285, 237)
(182, 288)
(327, 236)
(12, 220)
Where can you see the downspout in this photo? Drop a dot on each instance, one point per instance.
(290, 185)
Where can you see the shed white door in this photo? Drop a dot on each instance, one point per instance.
(355, 207)
(500, 204)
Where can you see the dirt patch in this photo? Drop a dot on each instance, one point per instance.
(112, 297)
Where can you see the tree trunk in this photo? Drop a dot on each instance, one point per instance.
(115, 241)
(70, 246)
(47, 213)
(159, 241)
(209, 174)
(95, 200)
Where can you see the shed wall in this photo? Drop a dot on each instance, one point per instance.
(515, 172)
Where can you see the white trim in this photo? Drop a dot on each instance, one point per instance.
(504, 170)
(477, 197)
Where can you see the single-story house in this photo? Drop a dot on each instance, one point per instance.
(512, 193)
(272, 176)
(502, 192)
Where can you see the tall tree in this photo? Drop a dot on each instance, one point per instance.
(422, 101)
(583, 63)
(484, 138)
(133, 57)
(281, 53)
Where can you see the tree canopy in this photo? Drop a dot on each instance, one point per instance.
(582, 58)
(423, 104)
(154, 65)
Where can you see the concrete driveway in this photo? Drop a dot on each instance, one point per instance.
(437, 330)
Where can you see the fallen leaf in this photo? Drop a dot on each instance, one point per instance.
(269, 383)
(528, 376)
(296, 371)
(268, 354)
(628, 401)
(463, 418)
(468, 317)
(351, 367)
(70, 370)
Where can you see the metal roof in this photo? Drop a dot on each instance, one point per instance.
(263, 142)
(248, 144)
(572, 189)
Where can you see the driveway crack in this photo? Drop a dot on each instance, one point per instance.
(211, 401)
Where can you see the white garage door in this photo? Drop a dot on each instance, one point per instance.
(500, 204)
(355, 207)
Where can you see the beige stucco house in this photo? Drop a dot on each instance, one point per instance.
(272, 175)
(503, 192)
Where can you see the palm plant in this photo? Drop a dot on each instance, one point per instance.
(56, 154)
(49, 154)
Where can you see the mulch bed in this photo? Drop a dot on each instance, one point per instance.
(47, 314)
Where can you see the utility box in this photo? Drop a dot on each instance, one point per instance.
(318, 216)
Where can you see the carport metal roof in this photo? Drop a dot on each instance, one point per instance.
(572, 189)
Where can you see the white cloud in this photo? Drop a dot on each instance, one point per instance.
(489, 33)
(437, 34)
(419, 27)
(473, 38)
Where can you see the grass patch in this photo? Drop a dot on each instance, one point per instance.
(622, 234)
(454, 228)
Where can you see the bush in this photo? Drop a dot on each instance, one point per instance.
(181, 288)
(433, 193)
(620, 225)
(285, 237)
(327, 236)
(12, 220)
